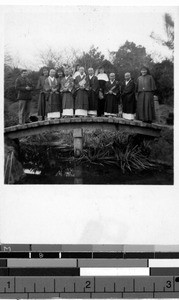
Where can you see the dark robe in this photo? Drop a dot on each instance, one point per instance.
(67, 96)
(128, 97)
(59, 79)
(81, 92)
(145, 99)
(42, 102)
(111, 103)
(53, 98)
(101, 102)
(93, 93)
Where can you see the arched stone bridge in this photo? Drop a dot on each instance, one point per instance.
(85, 123)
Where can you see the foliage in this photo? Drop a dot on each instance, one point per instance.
(63, 137)
(130, 153)
(117, 149)
(94, 59)
(130, 58)
(169, 29)
(10, 113)
(10, 75)
(162, 148)
(164, 76)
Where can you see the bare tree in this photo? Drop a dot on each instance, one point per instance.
(56, 59)
(169, 29)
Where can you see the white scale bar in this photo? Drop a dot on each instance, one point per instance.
(163, 263)
(114, 271)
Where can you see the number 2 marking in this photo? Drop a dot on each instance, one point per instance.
(88, 284)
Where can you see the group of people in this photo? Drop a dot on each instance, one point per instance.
(81, 94)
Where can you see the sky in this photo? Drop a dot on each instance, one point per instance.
(30, 30)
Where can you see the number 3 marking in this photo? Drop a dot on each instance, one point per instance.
(169, 284)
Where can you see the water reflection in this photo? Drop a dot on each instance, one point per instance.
(30, 171)
(64, 172)
(78, 171)
(63, 169)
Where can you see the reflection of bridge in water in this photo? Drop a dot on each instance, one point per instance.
(78, 125)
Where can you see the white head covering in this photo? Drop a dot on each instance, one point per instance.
(103, 76)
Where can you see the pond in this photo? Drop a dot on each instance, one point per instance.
(72, 173)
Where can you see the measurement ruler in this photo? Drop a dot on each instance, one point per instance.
(89, 287)
(89, 271)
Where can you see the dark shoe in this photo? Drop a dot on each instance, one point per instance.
(34, 119)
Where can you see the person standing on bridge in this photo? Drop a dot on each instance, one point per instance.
(67, 85)
(111, 95)
(24, 87)
(128, 97)
(93, 92)
(145, 96)
(42, 103)
(81, 94)
(102, 79)
(52, 86)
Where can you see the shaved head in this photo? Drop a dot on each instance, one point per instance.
(90, 71)
(112, 76)
(127, 76)
(81, 70)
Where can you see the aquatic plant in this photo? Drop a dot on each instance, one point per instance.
(120, 150)
(131, 153)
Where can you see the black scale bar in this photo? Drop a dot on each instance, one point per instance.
(106, 254)
(44, 254)
(166, 254)
(39, 272)
(164, 271)
(14, 254)
(76, 255)
(139, 255)
(3, 263)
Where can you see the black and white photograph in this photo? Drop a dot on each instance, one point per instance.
(89, 94)
(89, 149)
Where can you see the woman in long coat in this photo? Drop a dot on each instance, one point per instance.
(52, 87)
(42, 103)
(81, 94)
(60, 73)
(67, 85)
(145, 96)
